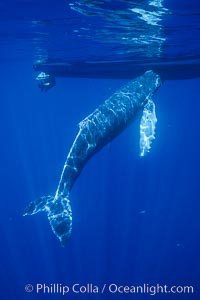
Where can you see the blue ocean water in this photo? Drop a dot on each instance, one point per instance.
(135, 220)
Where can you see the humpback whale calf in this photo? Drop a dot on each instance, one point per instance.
(95, 131)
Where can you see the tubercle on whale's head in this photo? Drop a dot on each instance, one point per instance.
(158, 82)
(150, 83)
(158, 79)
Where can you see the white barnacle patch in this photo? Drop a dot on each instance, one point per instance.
(147, 127)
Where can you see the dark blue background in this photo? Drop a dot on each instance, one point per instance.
(135, 220)
(112, 240)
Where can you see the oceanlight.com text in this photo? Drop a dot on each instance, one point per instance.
(111, 288)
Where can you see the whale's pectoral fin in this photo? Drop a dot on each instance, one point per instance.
(147, 127)
(58, 212)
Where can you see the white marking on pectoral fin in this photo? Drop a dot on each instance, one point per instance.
(147, 127)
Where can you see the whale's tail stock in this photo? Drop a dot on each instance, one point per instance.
(59, 214)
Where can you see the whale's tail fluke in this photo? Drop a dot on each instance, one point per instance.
(59, 214)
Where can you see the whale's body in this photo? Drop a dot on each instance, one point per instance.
(95, 131)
